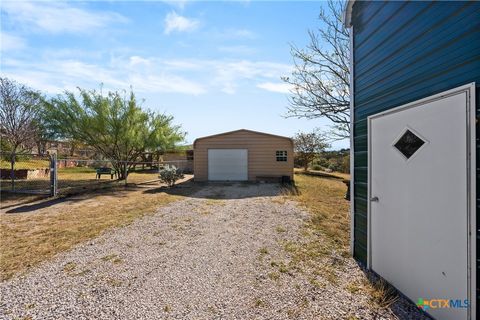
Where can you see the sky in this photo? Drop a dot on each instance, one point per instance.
(214, 66)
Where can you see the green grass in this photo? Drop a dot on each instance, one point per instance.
(73, 170)
(26, 164)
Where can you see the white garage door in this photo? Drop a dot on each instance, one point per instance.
(227, 164)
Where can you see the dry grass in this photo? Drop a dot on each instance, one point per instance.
(382, 295)
(29, 238)
(324, 199)
(75, 180)
(325, 245)
(8, 199)
(85, 178)
(334, 174)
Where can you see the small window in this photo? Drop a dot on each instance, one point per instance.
(281, 155)
(409, 143)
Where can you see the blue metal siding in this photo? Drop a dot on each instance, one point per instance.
(405, 51)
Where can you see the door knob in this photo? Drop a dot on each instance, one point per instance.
(374, 199)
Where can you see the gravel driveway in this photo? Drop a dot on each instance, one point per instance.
(209, 256)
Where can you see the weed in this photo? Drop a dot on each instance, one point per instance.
(109, 257)
(353, 287)
(83, 272)
(114, 282)
(382, 294)
(70, 266)
(259, 303)
(293, 313)
(314, 282)
(263, 251)
(215, 202)
(203, 212)
(282, 268)
(280, 229)
(274, 275)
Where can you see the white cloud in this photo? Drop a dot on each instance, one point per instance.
(166, 83)
(275, 87)
(9, 42)
(55, 74)
(57, 17)
(175, 22)
(229, 75)
(136, 60)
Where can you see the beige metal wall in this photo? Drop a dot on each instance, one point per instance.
(261, 153)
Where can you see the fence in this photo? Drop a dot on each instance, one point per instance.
(37, 174)
(26, 173)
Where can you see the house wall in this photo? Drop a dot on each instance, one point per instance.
(261, 153)
(402, 52)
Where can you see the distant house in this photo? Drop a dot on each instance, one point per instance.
(243, 155)
(68, 149)
(415, 84)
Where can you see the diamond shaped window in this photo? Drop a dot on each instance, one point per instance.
(409, 143)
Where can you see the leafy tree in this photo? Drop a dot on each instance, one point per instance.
(113, 124)
(321, 75)
(308, 145)
(19, 115)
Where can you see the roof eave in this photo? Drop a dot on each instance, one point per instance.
(247, 130)
(347, 14)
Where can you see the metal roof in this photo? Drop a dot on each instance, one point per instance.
(347, 13)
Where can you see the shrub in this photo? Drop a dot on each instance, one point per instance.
(316, 167)
(333, 167)
(170, 175)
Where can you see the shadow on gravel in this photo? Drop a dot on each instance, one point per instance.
(76, 196)
(226, 190)
(40, 205)
(9, 200)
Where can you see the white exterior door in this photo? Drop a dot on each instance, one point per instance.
(227, 164)
(420, 200)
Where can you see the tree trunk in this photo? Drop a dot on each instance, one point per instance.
(12, 166)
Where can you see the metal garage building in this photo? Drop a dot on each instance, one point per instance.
(415, 84)
(243, 155)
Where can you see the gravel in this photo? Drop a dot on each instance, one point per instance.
(209, 256)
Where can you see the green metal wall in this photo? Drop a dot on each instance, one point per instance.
(402, 52)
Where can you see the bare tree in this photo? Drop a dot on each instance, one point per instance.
(19, 110)
(308, 145)
(321, 76)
